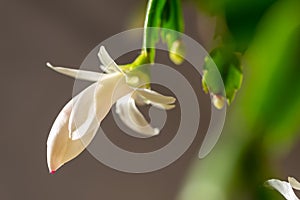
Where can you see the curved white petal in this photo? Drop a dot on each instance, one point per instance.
(283, 188)
(109, 64)
(108, 92)
(139, 100)
(155, 96)
(106, 69)
(94, 103)
(133, 118)
(156, 99)
(75, 73)
(83, 115)
(60, 148)
(294, 183)
(162, 106)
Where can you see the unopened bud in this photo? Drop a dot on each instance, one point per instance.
(218, 101)
(177, 52)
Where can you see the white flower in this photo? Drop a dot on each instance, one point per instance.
(286, 188)
(78, 122)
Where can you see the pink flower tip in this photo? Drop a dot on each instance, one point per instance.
(52, 172)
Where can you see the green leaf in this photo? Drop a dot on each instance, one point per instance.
(229, 66)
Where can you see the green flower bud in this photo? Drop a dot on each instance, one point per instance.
(177, 52)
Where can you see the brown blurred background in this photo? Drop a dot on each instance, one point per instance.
(33, 32)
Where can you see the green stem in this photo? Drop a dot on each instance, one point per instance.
(165, 14)
(152, 21)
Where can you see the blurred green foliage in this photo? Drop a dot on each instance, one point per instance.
(263, 122)
(263, 36)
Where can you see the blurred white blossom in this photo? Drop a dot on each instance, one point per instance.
(286, 188)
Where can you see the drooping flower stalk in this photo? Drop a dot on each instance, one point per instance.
(164, 20)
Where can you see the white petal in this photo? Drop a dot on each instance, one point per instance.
(294, 183)
(284, 188)
(106, 69)
(155, 96)
(73, 151)
(108, 91)
(75, 73)
(83, 116)
(162, 106)
(109, 64)
(133, 118)
(60, 148)
(139, 100)
(58, 139)
(94, 103)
